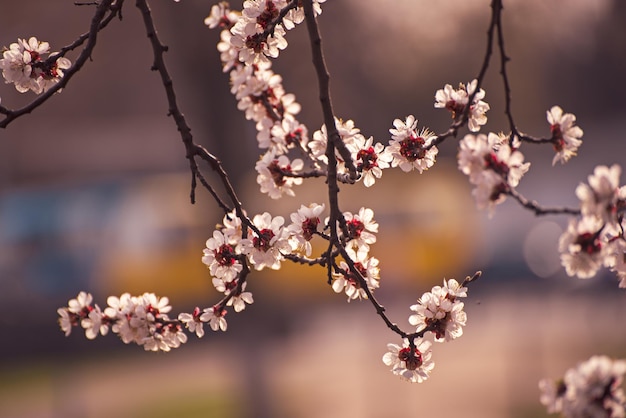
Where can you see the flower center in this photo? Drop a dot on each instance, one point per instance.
(438, 326)
(152, 310)
(309, 227)
(255, 42)
(454, 107)
(278, 172)
(411, 357)
(368, 159)
(219, 312)
(355, 228)
(270, 13)
(411, 148)
(589, 243)
(262, 242)
(294, 137)
(557, 137)
(360, 268)
(500, 167)
(225, 255)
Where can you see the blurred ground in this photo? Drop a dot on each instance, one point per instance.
(94, 196)
(328, 364)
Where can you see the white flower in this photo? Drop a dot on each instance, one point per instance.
(215, 317)
(565, 135)
(617, 259)
(283, 135)
(121, 310)
(582, 251)
(296, 16)
(262, 11)
(592, 389)
(17, 61)
(478, 108)
(345, 280)
(369, 159)
(473, 150)
(304, 225)
(266, 249)
(221, 16)
(24, 65)
(478, 153)
(80, 311)
(361, 228)
(95, 323)
(410, 150)
(142, 320)
(231, 227)
(601, 196)
(164, 337)
(240, 298)
(51, 75)
(454, 289)
(81, 304)
(347, 132)
(451, 99)
(552, 395)
(221, 258)
(192, 322)
(67, 320)
(274, 174)
(455, 101)
(410, 363)
(253, 46)
(228, 54)
(492, 165)
(156, 305)
(441, 311)
(490, 191)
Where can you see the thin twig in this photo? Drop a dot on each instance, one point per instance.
(537, 209)
(192, 149)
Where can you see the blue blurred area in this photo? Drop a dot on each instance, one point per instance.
(51, 238)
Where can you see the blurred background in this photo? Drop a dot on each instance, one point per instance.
(94, 196)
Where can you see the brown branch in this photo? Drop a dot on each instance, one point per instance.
(452, 131)
(498, 7)
(192, 149)
(323, 78)
(536, 208)
(322, 260)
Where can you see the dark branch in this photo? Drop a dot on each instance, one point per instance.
(537, 209)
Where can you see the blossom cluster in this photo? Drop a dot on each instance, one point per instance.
(597, 238)
(141, 320)
(492, 165)
(268, 241)
(29, 65)
(439, 312)
(248, 39)
(456, 100)
(592, 389)
(263, 243)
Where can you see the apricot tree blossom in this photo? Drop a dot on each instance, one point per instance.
(339, 152)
